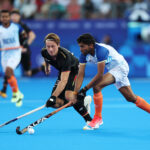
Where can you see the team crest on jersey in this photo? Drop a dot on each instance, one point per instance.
(90, 58)
(109, 59)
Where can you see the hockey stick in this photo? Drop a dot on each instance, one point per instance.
(10, 48)
(26, 114)
(41, 119)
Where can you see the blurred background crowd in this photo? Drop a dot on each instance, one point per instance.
(124, 24)
(78, 9)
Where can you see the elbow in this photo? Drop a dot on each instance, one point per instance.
(32, 35)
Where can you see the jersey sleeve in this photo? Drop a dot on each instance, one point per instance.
(20, 28)
(102, 54)
(82, 58)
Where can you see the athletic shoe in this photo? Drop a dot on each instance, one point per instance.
(94, 124)
(3, 94)
(87, 102)
(86, 126)
(19, 102)
(17, 98)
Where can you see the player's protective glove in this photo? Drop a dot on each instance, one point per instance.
(51, 101)
(81, 94)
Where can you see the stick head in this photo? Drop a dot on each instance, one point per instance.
(22, 131)
(18, 130)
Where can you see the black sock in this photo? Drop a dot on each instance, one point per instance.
(35, 71)
(87, 117)
(4, 85)
(81, 109)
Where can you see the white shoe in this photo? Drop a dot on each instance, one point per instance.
(87, 102)
(94, 124)
(17, 98)
(19, 102)
(86, 126)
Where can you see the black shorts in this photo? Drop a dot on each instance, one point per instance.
(25, 60)
(69, 86)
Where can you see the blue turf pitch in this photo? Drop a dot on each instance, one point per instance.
(125, 126)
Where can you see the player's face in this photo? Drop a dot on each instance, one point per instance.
(5, 18)
(85, 49)
(52, 48)
(15, 18)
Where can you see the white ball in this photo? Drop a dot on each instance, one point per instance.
(31, 130)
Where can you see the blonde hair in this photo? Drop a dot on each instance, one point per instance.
(52, 37)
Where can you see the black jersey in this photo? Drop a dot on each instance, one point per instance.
(65, 61)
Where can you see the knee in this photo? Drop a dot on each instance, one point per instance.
(67, 97)
(8, 72)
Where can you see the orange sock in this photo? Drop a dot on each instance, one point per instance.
(13, 83)
(141, 103)
(98, 101)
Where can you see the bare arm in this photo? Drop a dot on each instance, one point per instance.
(80, 77)
(47, 68)
(31, 37)
(62, 83)
(99, 75)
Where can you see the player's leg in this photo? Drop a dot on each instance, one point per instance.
(78, 106)
(12, 81)
(4, 89)
(9, 65)
(38, 69)
(26, 64)
(131, 97)
(123, 84)
(69, 95)
(98, 100)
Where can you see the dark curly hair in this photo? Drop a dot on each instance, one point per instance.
(86, 39)
(5, 11)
